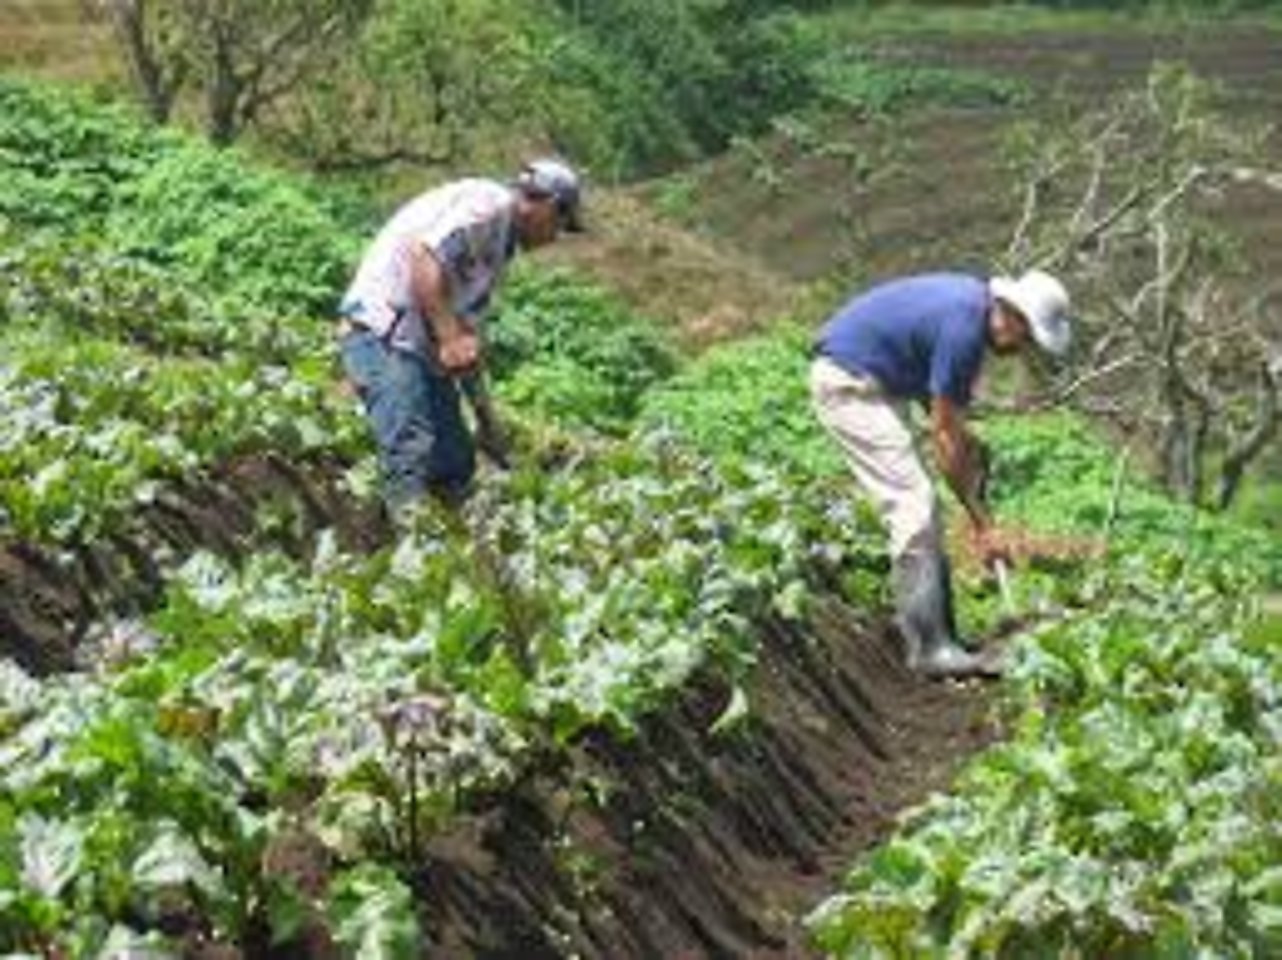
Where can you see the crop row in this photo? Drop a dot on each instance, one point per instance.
(359, 698)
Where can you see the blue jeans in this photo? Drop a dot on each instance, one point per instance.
(423, 444)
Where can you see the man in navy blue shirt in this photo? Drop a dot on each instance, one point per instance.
(925, 338)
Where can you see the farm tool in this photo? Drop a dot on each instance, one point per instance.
(491, 439)
(1000, 565)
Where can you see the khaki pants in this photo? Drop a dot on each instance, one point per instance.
(879, 448)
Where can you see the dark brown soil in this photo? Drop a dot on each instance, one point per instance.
(49, 597)
(682, 843)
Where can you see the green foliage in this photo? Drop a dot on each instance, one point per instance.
(1261, 502)
(78, 285)
(421, 85)
(621, 125)
(374, 914)
(64, 156)
(855, 82)
(94, 427)
(124, 248)
(221, 228)
(562, 391)
(676, 197)
(748, 400)
(678, 79)
(573, 352)
(626, 86)
(1133, 810)
(228, 228)
(1054, 473)
(171, 330)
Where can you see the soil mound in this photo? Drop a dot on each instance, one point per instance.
(49, 597)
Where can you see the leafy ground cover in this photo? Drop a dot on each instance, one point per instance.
(1134, 810)
(361, 697)
(357, 699)
(95, 428)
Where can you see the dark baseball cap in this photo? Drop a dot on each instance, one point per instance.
(551, 177)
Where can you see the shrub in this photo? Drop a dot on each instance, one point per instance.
(236, 231)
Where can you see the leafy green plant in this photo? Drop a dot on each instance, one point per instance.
(574, 352)
(373, 914)
(65, 156)
(95, 426)
(235, 231)
(748, 400)
(225, 229)
(367, 695)
(1131, 812)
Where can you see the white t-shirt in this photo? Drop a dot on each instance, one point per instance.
(468, 227)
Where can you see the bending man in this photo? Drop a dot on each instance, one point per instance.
(411, 318)
(925, 338)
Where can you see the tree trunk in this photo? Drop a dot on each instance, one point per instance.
(156, 89)
(224, 91)
(1241, 454)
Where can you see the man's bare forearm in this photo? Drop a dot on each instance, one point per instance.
(955, 466)
(956, 462)
(430, 286)
(457, 345)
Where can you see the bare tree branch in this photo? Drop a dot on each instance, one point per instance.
(1120, 204)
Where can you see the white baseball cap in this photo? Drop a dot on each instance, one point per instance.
(1043, 302)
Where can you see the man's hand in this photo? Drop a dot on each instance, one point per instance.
(991, 545)
(459, 351)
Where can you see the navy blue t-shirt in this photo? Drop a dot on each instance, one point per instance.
(920, 337)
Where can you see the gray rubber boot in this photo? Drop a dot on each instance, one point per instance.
(925, 616)
(950, 615)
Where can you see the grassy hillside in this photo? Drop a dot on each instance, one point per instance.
(938, 193)
(57, 40)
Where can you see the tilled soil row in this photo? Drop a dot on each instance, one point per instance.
(685, 843)
(49, 597)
